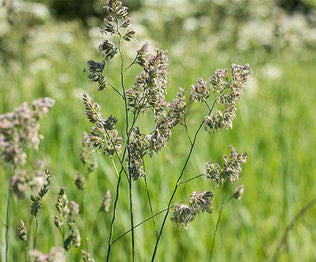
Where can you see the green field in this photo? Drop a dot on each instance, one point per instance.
(275, 125)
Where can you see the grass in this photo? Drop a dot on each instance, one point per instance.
(276, 126)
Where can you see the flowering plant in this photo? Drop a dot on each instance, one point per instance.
(148, 96)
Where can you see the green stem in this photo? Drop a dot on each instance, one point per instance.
(84, 213)
(143, 222)
(291, 225)
(150, 206)
(128, 156)
(178, 182)
(35, 233)
(26, 251)
(7, 233)
(217, 226)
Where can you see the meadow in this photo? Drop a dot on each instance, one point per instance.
(275, 125)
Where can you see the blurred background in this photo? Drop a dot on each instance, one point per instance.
(44, 46)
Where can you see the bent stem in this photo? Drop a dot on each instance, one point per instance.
(291, 225)
(178, 182)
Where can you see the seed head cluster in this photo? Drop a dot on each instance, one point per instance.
(103, 135)
(150, 87)
(37, 197)
(199, 202)
(229, 171)
(239, 192)
(116, 23)
(106, 202)
(228, 91)
(86, 257)
(67, 214)
(22, 230)
(56, 254)
(19, 130)
(87, 154)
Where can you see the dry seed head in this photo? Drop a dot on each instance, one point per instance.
(58, 223)
(19, 183)
(230, 92)
(177, 107)
(36, 205)
(106, 141)
(110, 122)
(233, 165)
(219, 80)
(240, 74)
(80, 182)
(42, 106)
(108, 49)
(130, 33)
(142, 55)
(73, 211)
(198, 202)
(73, 239)
(137, 150)
(62, 202)
(105, 206)
(219, 120)
(201, 201)
(87, 153)
(213, 172)
(239, 192)
(86, 257)
(22, 230)
(19, 130)
(200, 92)
(57, 254)
(92, 108)
(231, 169)
(182, 215)
(96, 75)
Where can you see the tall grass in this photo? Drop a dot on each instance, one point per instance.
(258, 220)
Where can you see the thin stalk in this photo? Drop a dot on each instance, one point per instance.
(30, 232)
(126, 149)
(190, 179)
(177, 183)
(118, 157)
(217, 226)
(291, 225)
(35, 232)
(115, 168)
(84, 214)
(143, 222)
(7, 228)
(119, 93)
(186, 128)
(150, 206)
(26, 251)
(113, 216)
(130, 65)
(117, 190)
(128, 153)
(131, 218)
